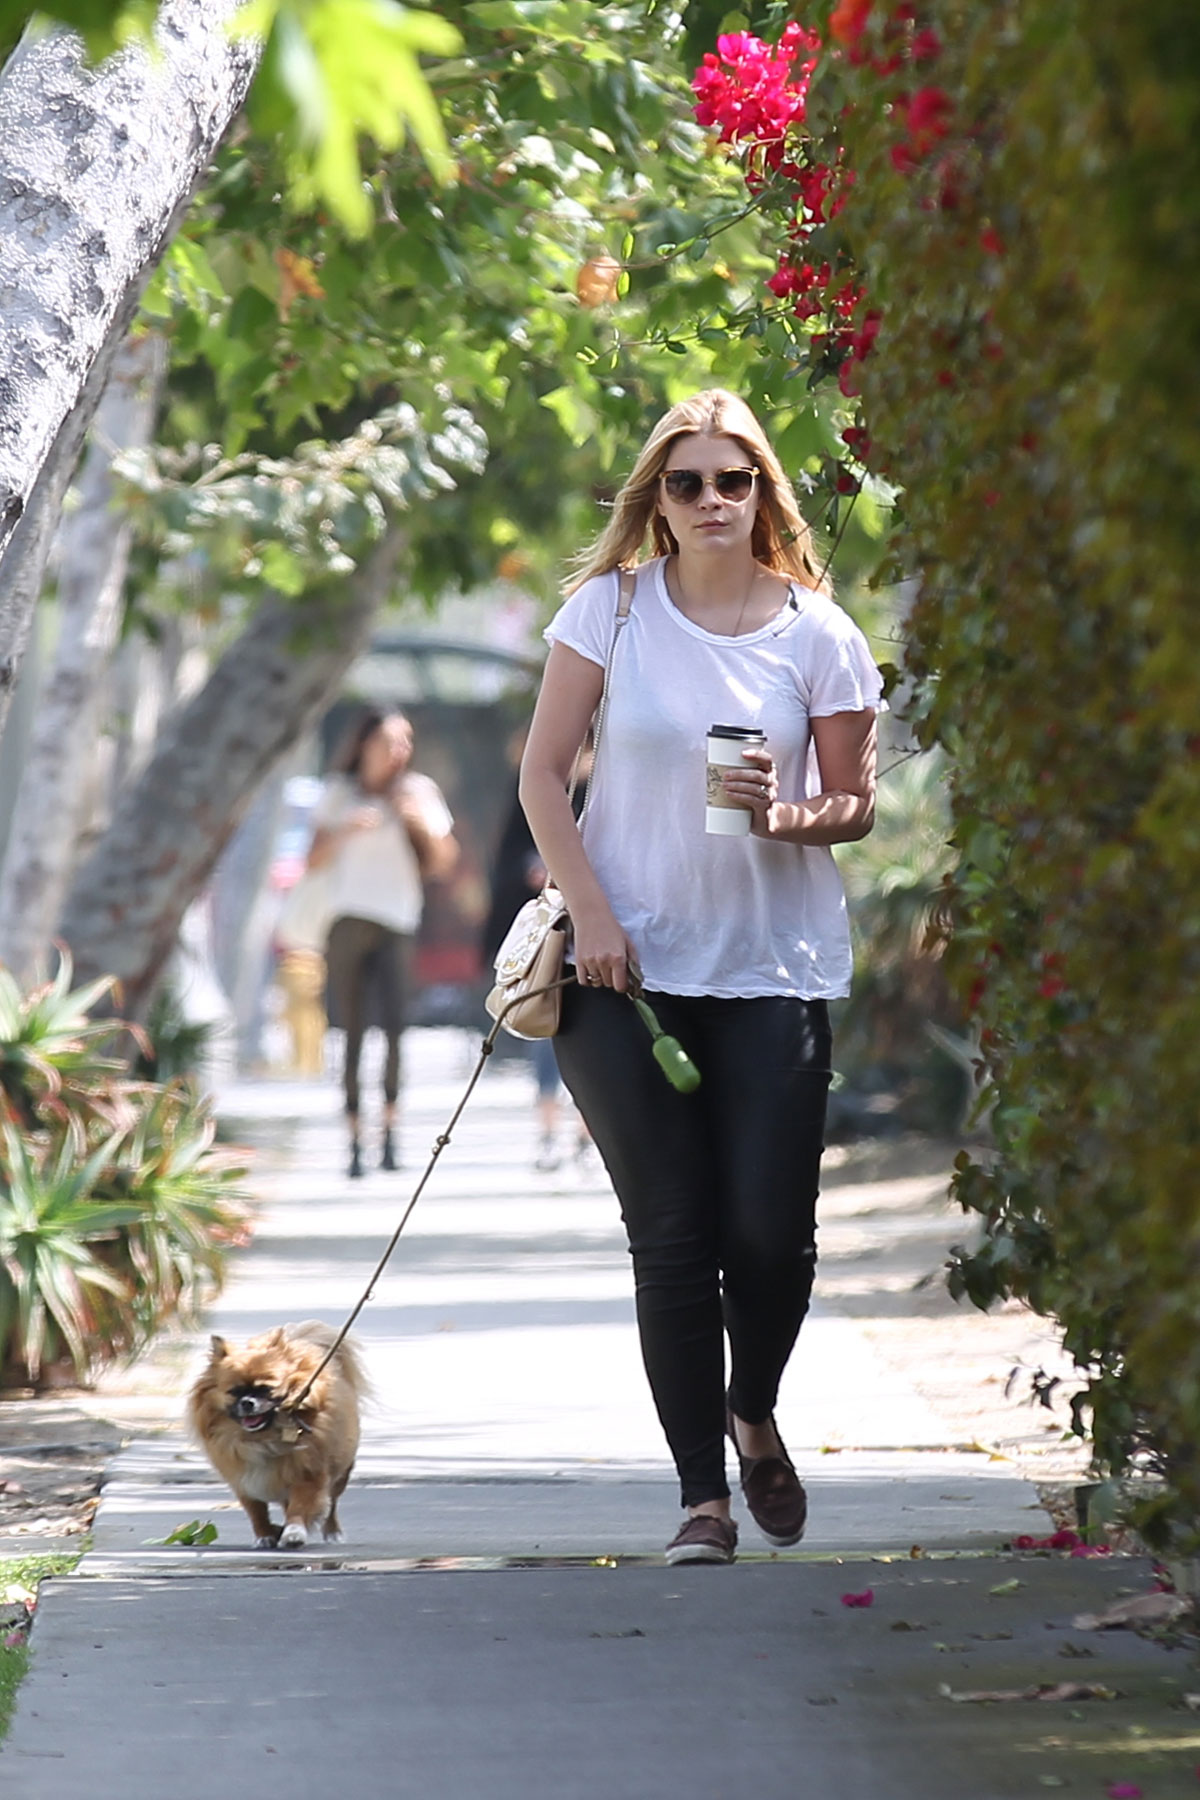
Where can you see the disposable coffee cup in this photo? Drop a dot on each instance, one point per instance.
(723, 815)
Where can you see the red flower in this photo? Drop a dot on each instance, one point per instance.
(991, 241)
(927, 114)
(747, 88)
(925, 45)
(864, 339)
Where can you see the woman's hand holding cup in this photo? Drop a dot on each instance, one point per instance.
(755, 786)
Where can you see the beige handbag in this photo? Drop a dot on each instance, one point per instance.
(532, 957)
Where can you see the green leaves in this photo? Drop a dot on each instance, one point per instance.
(191, 1535)
(1034, 294)
(346, 70)
(104, 25)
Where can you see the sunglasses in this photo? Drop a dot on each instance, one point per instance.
(685, 486)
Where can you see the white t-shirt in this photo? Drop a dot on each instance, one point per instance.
(727, 916)
(375, 874)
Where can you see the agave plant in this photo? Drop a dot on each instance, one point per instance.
(57, 1294)
(187, 1206)
(52, 1053)
(116, 1213)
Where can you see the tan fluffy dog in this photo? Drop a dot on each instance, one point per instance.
(238, 1410)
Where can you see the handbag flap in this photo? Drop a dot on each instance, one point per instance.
(526, 935)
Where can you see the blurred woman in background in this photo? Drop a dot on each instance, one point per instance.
(382, 831)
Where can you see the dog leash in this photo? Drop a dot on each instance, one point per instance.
(489, 1044)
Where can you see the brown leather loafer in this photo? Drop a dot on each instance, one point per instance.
(774, 1492)
(704, 1538)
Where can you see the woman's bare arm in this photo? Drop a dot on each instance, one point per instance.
(844, 810)
(570, 693)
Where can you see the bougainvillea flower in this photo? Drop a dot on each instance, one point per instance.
(748, 88)
(927, 116)
(866, 1598)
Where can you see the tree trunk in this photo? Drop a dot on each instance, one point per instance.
(96, 168)
(24, 565)
(93, 557)
(169, 827)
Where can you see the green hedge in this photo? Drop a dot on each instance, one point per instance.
(1036, 388)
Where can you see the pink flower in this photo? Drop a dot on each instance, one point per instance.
(1123, 1790)
(866, 1598)
(925, 45)
(748, 88)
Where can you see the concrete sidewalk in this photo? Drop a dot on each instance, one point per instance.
(499, 1611)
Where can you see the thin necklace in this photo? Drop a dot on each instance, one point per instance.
(737, 626)
(737, 629)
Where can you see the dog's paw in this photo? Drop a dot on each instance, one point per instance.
(268, 1542)
(292, 1536)
(336, 1536)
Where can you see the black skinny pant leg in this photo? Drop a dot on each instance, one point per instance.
(655, 1146)
(721, 1179)
(396, 954)
(768, 1072)
(351, 942)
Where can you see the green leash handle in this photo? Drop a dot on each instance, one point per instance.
(668, 1052)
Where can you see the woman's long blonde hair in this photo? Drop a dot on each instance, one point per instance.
(781, 541)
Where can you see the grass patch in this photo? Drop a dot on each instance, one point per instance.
(17, 1574)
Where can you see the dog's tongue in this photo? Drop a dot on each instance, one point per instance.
(255, 1424)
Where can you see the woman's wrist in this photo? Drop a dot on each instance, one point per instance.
(783, 823)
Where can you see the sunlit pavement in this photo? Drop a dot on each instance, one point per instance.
(511, 1411)
(499, 1614)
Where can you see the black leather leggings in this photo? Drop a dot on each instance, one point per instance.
(718, 1191)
